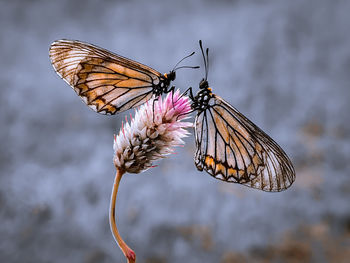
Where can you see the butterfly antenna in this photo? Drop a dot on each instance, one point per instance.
(207, 69)
(190, 55)
(193, 67)
(205, 60)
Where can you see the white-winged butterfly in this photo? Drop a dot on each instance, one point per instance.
(232, 148)
(108, 83)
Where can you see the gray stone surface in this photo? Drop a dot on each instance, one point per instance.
(284, 64)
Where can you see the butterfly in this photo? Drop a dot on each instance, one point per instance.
(233, 149)
(108, 83)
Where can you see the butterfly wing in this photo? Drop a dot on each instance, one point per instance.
(106, 82)
(232, 148)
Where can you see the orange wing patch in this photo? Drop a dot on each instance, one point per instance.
(224, 172)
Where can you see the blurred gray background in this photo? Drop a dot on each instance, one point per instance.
(284, 64)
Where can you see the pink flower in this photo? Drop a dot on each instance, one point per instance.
(151, 135)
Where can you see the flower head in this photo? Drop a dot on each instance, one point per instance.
(152, 135)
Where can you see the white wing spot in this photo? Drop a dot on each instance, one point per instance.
(85, 100)
(220, 176)
(231, 179)
(93, 107)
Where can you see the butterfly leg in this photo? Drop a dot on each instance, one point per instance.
(156, 99)
(172, 89)
(191, 97)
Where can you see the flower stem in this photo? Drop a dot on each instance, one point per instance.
(128, 252)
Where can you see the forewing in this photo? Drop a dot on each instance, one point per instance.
(106, 82)
(232, 148)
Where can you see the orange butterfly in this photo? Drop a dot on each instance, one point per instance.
(108, 83)
(232, 148)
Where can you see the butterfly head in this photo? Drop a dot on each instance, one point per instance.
(163, 86)
(171, 76)
(203, 84)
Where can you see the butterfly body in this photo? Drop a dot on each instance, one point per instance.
(201, 101)
(108, 83)
(164, 83)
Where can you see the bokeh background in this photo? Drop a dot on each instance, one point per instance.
(284, 64)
